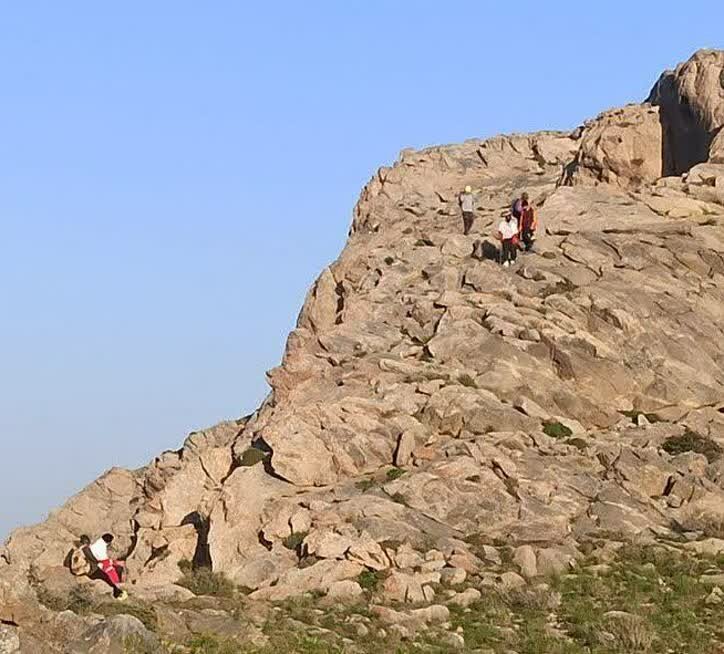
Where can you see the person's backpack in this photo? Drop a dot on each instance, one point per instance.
(517, 209)
(82, 561)
(80, 564)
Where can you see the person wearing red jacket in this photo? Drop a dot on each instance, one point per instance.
(528, 224)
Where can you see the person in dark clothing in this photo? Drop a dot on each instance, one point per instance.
(519, 205)
(528, 226)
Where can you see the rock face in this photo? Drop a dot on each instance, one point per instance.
(692, 109)
(621, 147)
(576, 395)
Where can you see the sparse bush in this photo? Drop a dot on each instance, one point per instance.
(294, 541)
(144, 612)
(204, 581)
(370, 580)
(77, 600)
(467, 380)
(394, 473)
(365, 484)
(251, 457)
(690, 441)
(212, 644)
(579, 443)
(185, 565)
(557, 430)
(627, 632)
(139, 645)
(399, 498)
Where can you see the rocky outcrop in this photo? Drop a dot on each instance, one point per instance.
(621, 147)
(429, 399)
(716, 151)
(691, 99)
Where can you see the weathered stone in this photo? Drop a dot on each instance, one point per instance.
(113, 635)
(524, 558)
(466, 598)
(622, 147)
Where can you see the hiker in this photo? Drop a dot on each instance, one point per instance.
(110, 568)
(467, 204)
(528, 225)
(508, 235)
(519, 205)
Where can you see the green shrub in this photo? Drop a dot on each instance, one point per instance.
(251, 457)
(557, 430)
(370, 580)
(204, 581)
(294, 541)
(394, 473)
(399, 498)
(690, 441)
(365, 484)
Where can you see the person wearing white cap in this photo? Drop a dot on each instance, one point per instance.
(467, 204)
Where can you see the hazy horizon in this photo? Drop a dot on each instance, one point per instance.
(176, 177)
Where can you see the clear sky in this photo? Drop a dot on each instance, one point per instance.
(174, 175)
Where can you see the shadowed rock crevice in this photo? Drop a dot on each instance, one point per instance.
(202, 553)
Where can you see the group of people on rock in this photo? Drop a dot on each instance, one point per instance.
(516, 231)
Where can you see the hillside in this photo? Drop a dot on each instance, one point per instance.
(445, 435)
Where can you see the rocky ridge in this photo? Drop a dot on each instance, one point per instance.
(434, 411)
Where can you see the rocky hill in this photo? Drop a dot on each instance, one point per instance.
(443, 433)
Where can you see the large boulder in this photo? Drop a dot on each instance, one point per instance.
(691, 99)
(620, 147)
(115, 635)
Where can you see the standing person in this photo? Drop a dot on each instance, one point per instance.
(110, 568)
(467, 204)
(508, 235)
(519, 205)
(528, 226)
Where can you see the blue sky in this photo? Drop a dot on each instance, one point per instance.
(174, 175)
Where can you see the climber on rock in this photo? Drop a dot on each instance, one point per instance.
(111, 568)
(519, 206)
(467, 204)
(508, 236)
(528, 222)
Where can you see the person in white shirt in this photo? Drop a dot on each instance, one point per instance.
(110, 568)
(508, 235)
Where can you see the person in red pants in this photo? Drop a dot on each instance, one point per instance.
(111, 569)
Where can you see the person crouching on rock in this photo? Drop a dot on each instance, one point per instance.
(110, 568)
(528, 226)
(467, 204)
(508, 235)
